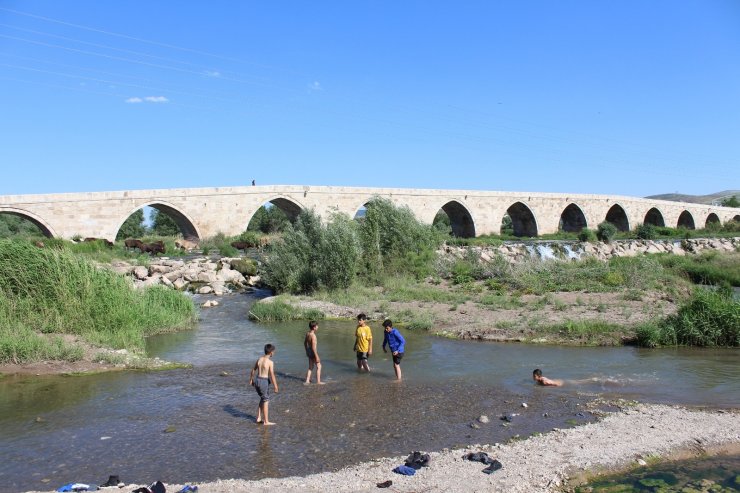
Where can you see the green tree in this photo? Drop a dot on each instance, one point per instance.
(12, 225)
(133, 227)
(269, 219)
(731, 202)
(163, 225)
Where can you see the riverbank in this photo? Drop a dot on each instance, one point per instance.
(543, 463)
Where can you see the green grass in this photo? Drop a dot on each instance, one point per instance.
(278, 311)
(589, 331)
(709, 318)
(56, 291)
(706, 268)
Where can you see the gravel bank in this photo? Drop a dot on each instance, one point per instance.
(538, 464)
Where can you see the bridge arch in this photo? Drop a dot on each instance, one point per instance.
(290, 207)
(736, 218)
(618, 217)
(183, 221)
(461, 220)
(43, 226)
(654, 217)
(712, 218)
(686, 220)
(572, 219)
(522, 220)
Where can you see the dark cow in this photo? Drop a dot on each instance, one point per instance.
(240, 245)
(153, 248)
(133, 243)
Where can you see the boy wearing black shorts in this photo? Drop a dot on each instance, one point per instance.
(393, 339)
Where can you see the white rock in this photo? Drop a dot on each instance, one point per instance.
(180, 284)
(205, 290)
(141, 272)
(524, 404)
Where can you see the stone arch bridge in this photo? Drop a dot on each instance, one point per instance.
(203, 212)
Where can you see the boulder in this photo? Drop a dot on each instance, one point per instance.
(141, 272)
(162, 269)
(207, 277)
(254, 280)
(205, 290)
(180, 284)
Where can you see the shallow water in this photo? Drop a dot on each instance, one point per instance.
(56, 429)
(719, 474)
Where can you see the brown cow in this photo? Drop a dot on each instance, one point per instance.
(240, 245)
(153, 248)
(133, 243)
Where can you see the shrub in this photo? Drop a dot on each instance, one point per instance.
(55, 291)
(245, 266)
(586, 235)
(646, 232)
(606, 231)
(709, 318)
(311, 255)
(392, 238)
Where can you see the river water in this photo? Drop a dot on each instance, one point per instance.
(198, 424)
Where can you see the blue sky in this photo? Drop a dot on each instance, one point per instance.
(628, 97)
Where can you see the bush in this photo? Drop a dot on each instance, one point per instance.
(709, 318)
(55, 291)
(586, 235)
(394, 240)
(646, 232)
(311, 255)
(606, 231)
(244, 266)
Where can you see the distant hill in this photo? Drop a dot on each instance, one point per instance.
(696, 199)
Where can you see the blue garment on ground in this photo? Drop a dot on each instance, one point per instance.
(394, 340)
(405, 470)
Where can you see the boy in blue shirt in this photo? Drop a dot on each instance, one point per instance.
(396, 342)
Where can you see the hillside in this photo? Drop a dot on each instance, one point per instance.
(696, 199)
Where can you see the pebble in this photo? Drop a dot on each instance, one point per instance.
(474, 425)
(524, 404)
(483, 419)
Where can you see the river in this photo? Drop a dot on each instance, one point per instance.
(198, 424)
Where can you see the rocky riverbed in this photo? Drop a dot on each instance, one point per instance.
(543, 463)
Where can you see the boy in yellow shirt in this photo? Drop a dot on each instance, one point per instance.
(363, 342)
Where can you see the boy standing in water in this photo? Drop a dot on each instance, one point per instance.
(363, 342)
(540, 380)
(310, 343)
(396, 342)
(265, 375)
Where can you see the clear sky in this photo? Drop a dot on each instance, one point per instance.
(628, 97)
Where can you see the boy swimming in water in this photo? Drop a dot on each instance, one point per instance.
(265, 374)
(540, 380)
(310, 344)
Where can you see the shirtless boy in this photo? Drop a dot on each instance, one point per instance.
(265, 374)
(363, 342)
(540, 380)
(309, 343)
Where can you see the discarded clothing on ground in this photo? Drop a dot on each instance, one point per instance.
(155, 487)
(405, 470)
(78, 487)
(479, 457)
(188, 489)
(417, 460)
(113, 481)
(385, 484)
(494, 466)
